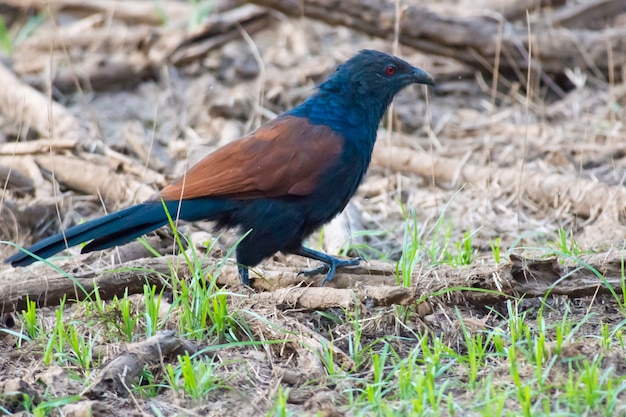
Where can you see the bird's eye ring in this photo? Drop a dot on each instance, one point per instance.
(390, 70)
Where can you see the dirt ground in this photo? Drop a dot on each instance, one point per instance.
(498, 164)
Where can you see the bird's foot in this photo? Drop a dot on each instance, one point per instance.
(329, 268)
(322, 269)
(244, 275)
(329, 263)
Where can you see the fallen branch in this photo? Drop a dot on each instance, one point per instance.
(26, 106)
(15, 180)
(473, 40)
(496, 282)
(106, 38)
(118, 375)
(590, 14)
(322, 298)
(25, 164)
(104, 74)
(37, 146)
(518, 9)
(123, 58)
(111, 57)
(218, 30)
(149, 13)
(121, 163)
(580, 196)
(94, 179)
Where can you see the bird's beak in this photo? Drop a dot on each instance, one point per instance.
(420, 76)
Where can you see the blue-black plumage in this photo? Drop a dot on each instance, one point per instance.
(279, 183)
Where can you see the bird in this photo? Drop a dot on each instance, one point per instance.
(277, 184)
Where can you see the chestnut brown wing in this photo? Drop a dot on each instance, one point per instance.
(283, 157)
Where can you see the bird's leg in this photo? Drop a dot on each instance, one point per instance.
(243, 274)
(330, 263)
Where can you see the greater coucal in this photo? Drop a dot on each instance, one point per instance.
(279, 183)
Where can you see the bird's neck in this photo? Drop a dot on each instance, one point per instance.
(355, 120)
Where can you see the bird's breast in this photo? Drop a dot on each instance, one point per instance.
(339, 182)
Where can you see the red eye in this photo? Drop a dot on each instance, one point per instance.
(390, 70)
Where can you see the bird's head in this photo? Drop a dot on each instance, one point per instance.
(376, 73)
(371, 79)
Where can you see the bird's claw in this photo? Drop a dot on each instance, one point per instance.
(322, 269)
(329, 268)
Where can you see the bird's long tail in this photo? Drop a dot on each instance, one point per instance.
(120, 227)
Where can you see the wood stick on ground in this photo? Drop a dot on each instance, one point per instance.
(112, 57)
(105, 73)
(26, 164)
(590, 14)
(521, 276)
(466, 38)
(517, 8)
(106, 38)
(127, 165)
(119, 374)
(219, 29)
(123, 58)
(583, 197)
(322, 298)
(24, 105)
(13, 179)
(147, 12)
(95, 179)
(37, 146)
